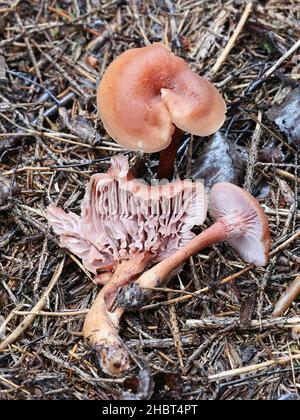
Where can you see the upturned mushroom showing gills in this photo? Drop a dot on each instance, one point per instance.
(239, 220)
(146, 92)
(125, 225)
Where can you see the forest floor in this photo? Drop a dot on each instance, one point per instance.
(52, 54)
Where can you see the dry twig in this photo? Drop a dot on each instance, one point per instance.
(286, 300)
(38, 306)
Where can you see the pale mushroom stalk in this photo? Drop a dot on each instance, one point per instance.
(240, 221)
(101, 326)
(103, 278)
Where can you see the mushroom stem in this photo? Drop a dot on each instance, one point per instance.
(168, 156)
(239, 220)
(101, 324)
(159, 274)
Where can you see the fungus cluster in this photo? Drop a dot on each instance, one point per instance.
(239, 220)
(124, 226)
(132, 233)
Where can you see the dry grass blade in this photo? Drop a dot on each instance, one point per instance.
(234, 323)
(54, 314)
(39, 305)
(176, 334)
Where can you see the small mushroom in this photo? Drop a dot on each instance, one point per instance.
(125, 225)
(146, 92)
(239, 220)
(243, 221)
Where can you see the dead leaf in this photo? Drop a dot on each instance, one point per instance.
(2, 69)
(7, 189)
(247, 308)
(288, 397)
(270, 154)
(247, 353)
(2, 25)
(168, 385)
(286, 191)
(287, 116)
(80, 126)
(140, 387)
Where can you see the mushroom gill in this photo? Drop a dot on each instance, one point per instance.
(125, 225)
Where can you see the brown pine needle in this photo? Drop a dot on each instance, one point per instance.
(287, 298)
(233, 39)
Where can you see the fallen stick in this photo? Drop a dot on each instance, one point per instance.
(253, 368)
(288, 175)
(286, 300)
(30, 318)
(234, 322)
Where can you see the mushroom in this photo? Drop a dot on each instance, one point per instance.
(146, 92)
(124, 226)
(239, 220)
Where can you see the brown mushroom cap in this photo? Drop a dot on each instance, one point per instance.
(146, 91)
(248, 228)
